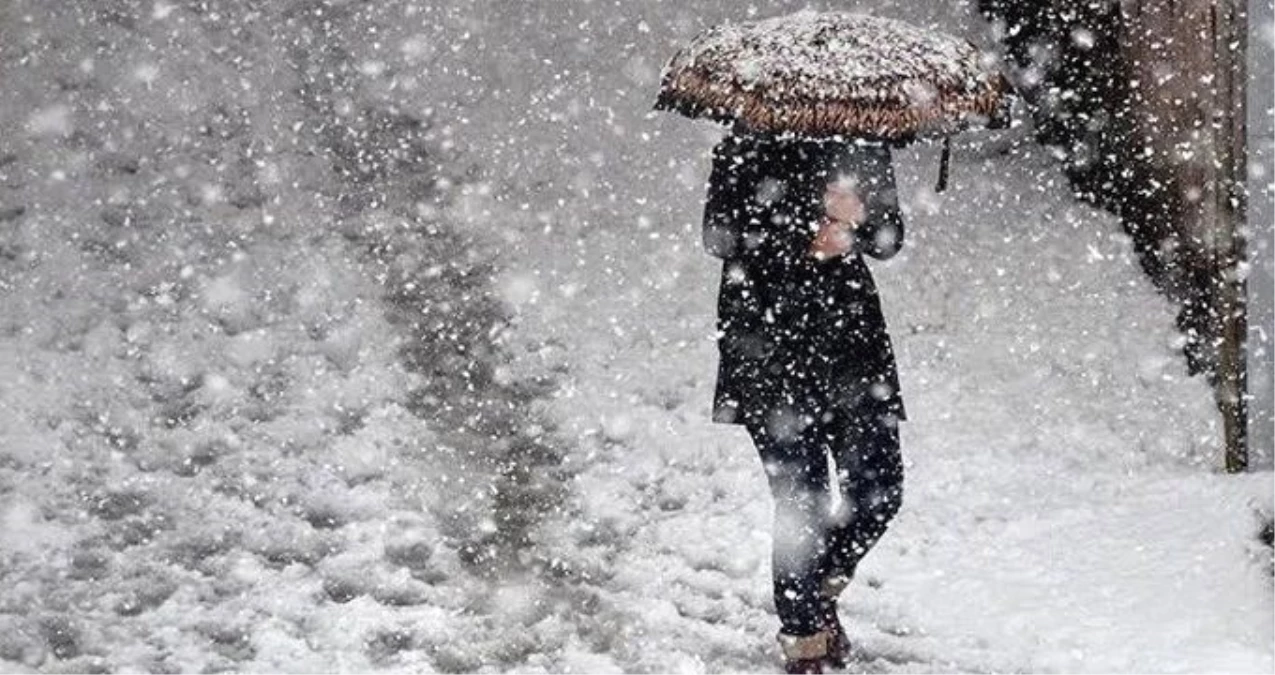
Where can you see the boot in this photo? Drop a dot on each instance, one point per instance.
(804, 653)
(838, 655)
(838, 651)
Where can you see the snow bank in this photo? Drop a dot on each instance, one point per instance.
(232, 281)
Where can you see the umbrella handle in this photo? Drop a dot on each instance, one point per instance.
(944, 160)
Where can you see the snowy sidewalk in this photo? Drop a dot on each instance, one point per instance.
(1061, 507)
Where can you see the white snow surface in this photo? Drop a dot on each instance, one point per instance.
(208, 459)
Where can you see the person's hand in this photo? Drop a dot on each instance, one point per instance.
(843, 212)
(841, 202)
(833, 239)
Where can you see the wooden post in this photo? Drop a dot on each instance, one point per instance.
(1230, 287)
(1157, 93)
(1187, 58)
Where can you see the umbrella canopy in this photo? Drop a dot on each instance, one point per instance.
(835, 74)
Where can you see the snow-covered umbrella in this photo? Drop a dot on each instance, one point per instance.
(836, 74)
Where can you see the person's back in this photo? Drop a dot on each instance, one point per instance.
(778, 298)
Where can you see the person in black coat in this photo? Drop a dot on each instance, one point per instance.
(806, 363)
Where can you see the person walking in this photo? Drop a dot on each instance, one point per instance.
(806, 364)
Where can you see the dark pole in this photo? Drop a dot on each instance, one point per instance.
(1230, 287)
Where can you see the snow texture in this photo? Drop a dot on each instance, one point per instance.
(334, 337)
(837, 73)
(835, 55)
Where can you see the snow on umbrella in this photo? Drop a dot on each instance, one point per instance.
(835, 74)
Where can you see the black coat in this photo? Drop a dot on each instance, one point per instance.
(799, 338)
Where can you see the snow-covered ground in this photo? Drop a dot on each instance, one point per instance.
(215, 455)
(1061, 509)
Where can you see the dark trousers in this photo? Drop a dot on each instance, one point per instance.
(812, 542)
